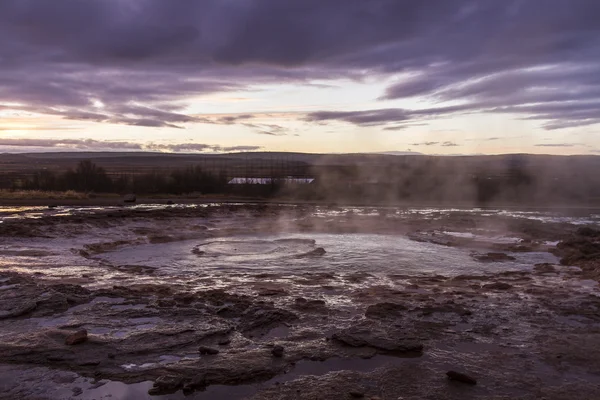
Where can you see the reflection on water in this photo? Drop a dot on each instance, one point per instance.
(578, 217)
(344, 253)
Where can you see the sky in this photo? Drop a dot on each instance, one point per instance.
(317, 76)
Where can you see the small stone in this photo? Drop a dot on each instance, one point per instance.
(224, 342)
(111, 356)
(356, 394)
(208, 350)
(493, 257)
(497, 286)
(460, 377)
(76, 338)
(277, 351)
(77, 391)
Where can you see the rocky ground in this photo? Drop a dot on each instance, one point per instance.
(84, 328)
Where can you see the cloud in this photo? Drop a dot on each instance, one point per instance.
(37, 128)
(267, 129)
(557, 145)
(90, 144)
(396, 127)
(82, 144)
(443, 144)
(140, 62)
(425, 144)
(382, 116)
(449, 144)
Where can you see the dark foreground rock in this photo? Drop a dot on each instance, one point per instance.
(261, 318)
(277, 351)
(356, 394)
(384, 310)
(460, 377)
(205, 350)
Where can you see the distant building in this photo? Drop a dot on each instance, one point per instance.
(268, 181)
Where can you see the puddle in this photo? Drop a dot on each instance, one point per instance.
(120, 391)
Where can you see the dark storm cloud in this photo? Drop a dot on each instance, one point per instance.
(513, 56)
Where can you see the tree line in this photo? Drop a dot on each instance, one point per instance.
(88, 177)
(428, 182)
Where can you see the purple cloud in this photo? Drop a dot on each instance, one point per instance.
(142, 59)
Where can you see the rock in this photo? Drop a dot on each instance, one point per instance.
(76, 338)
(432, 237)
(166, 384)
(277, 351)
(544, 268)
(77, 391)
(198, 252)
(383, 310)
(318, 252)
(497, 286)
(129, 198)
(208, 350)
(444, 308)
(377, 337)
(493, 257)
(271, 292)
(224, 342)
(460, 377)
(309, 305)
(356, 394)
(588, 231)
(264, 317)
(19, 310)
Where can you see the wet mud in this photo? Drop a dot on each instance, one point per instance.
(283, 302)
